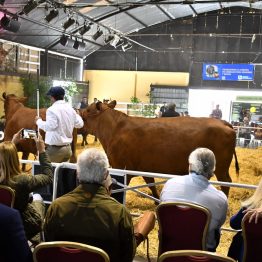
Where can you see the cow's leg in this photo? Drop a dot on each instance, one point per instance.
(147, 180)
(224, 178)
(152, 188)
(84, 138)
(83, 141)
(25, 156)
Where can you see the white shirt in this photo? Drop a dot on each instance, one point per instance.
(61, 119)
(195, 188)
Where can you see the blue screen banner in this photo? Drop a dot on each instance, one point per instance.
(228, 72)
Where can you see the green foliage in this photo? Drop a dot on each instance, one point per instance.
(135, 100)
(30, 91)
(149, 110)
(70, 90)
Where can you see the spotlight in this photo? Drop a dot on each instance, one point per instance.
(79, 45)
(65, 41)
(127, 46)
(98, 33)
(31, 5)
(70, 21)
(84, 29)
(2, 2)
(117, 41)
(52, 14)
(108, 39)
(120, 42)
(10, 24)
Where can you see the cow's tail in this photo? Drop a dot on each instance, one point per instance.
(236, 164)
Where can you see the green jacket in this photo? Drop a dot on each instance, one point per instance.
(89, 215)
(23, 185)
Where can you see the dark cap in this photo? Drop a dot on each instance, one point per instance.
(56, 91)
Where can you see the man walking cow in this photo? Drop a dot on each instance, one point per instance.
(61, 119)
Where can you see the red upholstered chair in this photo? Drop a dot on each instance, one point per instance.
(7, 196)
(182, 225)
(63, 251)
(193, 256)
(252, 235)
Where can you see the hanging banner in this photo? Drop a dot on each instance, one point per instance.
(228, 72)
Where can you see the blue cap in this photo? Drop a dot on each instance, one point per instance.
(56, 91)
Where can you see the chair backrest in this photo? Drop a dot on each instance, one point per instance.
(193, 256)
(182, 225)
(252, 235)
(7, 196)
(68, 251)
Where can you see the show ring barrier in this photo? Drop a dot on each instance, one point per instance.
(123, 173)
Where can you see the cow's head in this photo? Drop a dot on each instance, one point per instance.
(91, 114)
(12, 103)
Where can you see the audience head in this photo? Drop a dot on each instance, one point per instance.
(246, 120)
(9, 162)
(92, 165)
(171, 106)
(202, 161)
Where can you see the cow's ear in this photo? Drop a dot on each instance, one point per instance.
(22, 99)
(99, 105)
(4, 95)
(112, 104)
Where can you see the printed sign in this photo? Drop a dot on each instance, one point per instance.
(228, 72)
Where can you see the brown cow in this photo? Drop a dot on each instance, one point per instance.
(160, 145)
(17, 117)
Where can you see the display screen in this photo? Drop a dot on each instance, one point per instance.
(228, 72)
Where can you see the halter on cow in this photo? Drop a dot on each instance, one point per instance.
(160, 145)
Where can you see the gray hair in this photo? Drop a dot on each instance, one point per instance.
(92, 165)
(203, 162)
(171, 106)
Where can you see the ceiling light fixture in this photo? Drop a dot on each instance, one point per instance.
(126, 46)
(30, 6)
(10, 24)
(108, 39)
(79, 45)
(70, 21)
(98, 33)
(66, 41)
(117, 41)
(52, 14)
(84, 29)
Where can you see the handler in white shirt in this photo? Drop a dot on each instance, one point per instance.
(61, 119)
(196, 188)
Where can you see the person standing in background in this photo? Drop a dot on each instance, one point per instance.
(217, 113)
(162, 109)
(83, 104)
(61, 119)
(171, 111)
